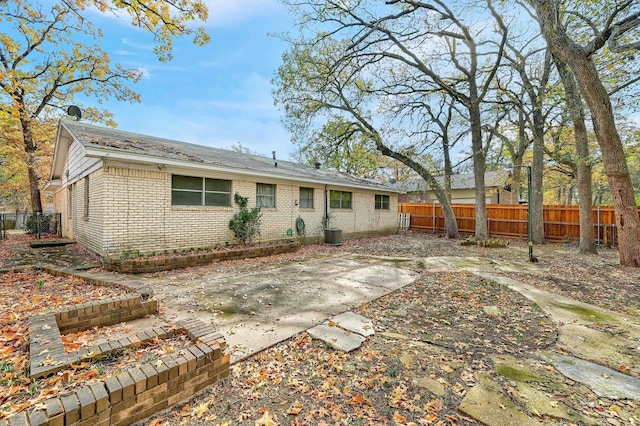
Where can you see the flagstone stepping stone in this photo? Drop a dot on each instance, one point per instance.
(336, 337)
(51, 243)
(603, 381)
(345, 332)
(491, 407)
(354, 322)
(433, 386)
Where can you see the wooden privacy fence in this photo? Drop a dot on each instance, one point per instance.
(560, 222)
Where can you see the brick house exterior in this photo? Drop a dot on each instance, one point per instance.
(497, 189)
(119, 192)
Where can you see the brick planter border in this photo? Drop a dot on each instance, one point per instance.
(46, 350)
(147, 265)
(132, 395)
(140, 391)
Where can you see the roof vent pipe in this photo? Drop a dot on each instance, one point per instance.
(317, 165)
(274, 154)
(275, 164)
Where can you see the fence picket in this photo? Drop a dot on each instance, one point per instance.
(510, 220)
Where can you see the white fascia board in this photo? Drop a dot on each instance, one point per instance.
(52, 185)
(59, 153)
(92, 151)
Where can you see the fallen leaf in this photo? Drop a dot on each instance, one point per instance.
(266, 419)
(295, 408)
(201, 410)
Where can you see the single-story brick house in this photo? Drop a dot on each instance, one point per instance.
(120, 192)
(497, 189)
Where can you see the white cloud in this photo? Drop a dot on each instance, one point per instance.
(148, 47)
(249, 96)
(123, 52)
(144, 72)
(229, 12)
(195, 126)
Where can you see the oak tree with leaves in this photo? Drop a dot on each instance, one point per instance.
(50, 54)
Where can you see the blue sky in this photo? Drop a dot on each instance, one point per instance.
(218, 94)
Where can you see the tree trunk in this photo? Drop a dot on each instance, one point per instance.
(30, 148)
(614, 159)
(448, 170)
(479, 166)
(536, 175)
(516, 178)
(516, 159)
(594, 92)
(574, 104)
(450, 224)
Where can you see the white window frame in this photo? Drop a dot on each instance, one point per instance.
(202, 191)
(266, 199)
(341, 202)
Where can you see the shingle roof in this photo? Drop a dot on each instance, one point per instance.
(492, 179)
(111, 139)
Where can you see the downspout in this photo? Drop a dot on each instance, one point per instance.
(326, 208)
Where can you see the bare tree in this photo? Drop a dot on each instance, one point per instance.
(430, 40)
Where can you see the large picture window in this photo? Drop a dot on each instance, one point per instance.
(382, 202)
(340, 199)
(198, 191)
(306, 198)
(265, 195)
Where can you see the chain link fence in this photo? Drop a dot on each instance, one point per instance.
(37, 224)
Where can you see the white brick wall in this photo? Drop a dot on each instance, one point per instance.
(131, 210)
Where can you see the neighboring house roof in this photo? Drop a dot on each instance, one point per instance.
(104, 142)
(493, 179)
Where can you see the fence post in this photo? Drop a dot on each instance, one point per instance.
(598, 239)
(433, 218)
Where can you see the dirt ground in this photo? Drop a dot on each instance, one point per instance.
(435, 340)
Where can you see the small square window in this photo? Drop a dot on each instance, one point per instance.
(340, 199)
(265, 195)
(382, 202)
(306, 198)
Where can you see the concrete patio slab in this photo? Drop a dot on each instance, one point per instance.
(257, 310)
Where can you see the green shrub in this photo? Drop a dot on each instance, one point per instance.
(246, 223)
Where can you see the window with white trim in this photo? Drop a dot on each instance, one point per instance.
(198, 191)
(265, 195)
(340, 199)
